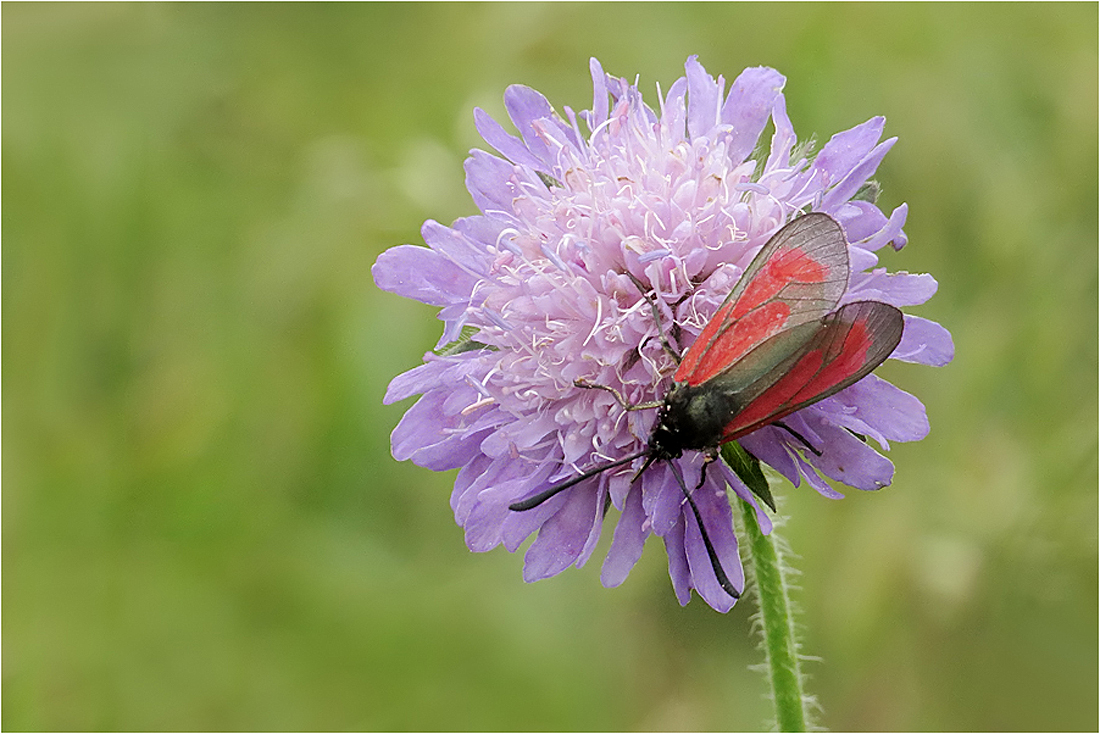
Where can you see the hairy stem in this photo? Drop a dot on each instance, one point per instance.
(769, 572)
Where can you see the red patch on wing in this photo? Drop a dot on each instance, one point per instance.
(850, 344)
(786, 267)
(798, 276)
(811, 376)
(734, 341)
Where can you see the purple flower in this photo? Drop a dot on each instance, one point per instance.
(538, 291)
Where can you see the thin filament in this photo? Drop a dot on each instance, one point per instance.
(546, 494)
(723, 580)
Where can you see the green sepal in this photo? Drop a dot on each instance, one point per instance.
(759, 157)
(464, 343)
(549, 180)
(868, 192)
(804, 149)
(747, 468)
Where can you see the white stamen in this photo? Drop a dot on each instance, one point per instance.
(479, 404)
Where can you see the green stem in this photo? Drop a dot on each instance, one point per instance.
(777, 624)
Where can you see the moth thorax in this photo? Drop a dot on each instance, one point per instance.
(692, 418)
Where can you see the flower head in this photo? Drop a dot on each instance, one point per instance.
(541, 290)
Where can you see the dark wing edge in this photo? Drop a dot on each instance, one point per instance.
(867, 330)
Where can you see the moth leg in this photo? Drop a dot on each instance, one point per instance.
(648, 461)
(656, 317)
(710, 455)
(799, 436)
(618, 396)
(715, 564)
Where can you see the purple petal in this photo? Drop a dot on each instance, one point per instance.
(422, 425)
(534, 478)
(876, 408)
(626, 546)
(619, 487)
(454, 317)
(860, 220)
(648, 115)
(891, 233)
(703, 98)
(860, 260)
(714, 508)
(847, 188)
(489, 417)
(464, 485)
(897, 289)
(490, 182)
(479, 231)
(519, 525)
(421, 274)
(845, 150)
(470, 254)
(484, 526)
(461, 395)
(766, 444)
(924, 342)
(594, 533)
(661, 497)
(424, 437)
(751, 99)
(814, 479)
(848, 460)
(674, 111)
(518, 434)
(678, 570)
(575, 136)
(450, 453)
(783, 139)
(525, 106)
(562, 538)
(507, 145)
(483, 508)
(600, 100)
(744, 493)
(557, 136)
(416, 381)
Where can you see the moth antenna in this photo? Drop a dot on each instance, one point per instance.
(656, 317)
(799, 436)
(538, 499)
(723, 580)
(579, 382)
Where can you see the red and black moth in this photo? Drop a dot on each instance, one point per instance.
(777, 344)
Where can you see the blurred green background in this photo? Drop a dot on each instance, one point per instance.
(202, 524)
